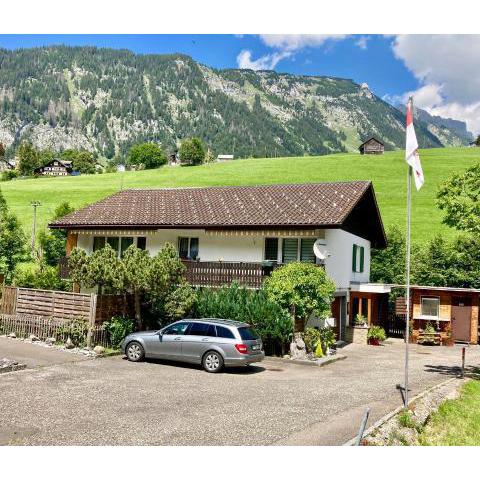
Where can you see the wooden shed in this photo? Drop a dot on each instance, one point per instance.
(372, 146)
(447, 309)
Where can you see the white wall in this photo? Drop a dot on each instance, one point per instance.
(339, 264)
(339, 245)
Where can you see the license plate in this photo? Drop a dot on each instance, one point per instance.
(255, 347)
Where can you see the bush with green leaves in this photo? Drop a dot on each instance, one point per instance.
(376, 333)
(118, 327)
(270, 321)
(311, 337)
(301, 288)
(76, 330)
(9, 175)
(327, 338)
(191, 151)
(360, 320)
(146, 155)
(44, 277)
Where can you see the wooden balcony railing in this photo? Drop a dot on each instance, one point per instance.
(211, 274)
(216, 274)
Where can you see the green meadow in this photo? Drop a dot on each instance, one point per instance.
(387, 172)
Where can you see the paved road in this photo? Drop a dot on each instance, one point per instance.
(35, 355)
(112, 401)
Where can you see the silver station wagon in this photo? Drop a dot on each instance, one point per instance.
(209, 342)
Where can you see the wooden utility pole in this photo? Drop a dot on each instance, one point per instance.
(34, 204)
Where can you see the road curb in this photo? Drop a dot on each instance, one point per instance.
(391, 414)
(310, 363)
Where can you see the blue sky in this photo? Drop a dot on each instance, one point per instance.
(442, 71)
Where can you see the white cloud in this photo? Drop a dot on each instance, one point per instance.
(266, 62)
(362, 43)
(448, 69)
(292, 43)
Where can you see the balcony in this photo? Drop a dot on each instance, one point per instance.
(212, 274)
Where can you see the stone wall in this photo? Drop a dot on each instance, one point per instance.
(357, 335)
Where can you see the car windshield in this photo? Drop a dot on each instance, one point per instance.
(246, 333)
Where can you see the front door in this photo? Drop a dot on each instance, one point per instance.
(461, 320)
(169, 344)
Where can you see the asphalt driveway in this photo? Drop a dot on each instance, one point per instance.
(111, 401)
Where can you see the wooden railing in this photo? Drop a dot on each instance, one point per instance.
(216, 274)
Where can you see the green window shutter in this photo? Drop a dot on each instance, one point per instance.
(362, 258)
(354, 258)
(306, 250)
(271, 249)
(290, 250)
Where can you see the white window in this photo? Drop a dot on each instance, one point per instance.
(430, 307)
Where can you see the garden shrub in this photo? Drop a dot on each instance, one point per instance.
(377, 333)
(270, 321)
(118, 327)
(327, 338)
(45, 277)
(9, 175)
(77, 331)
(311, 337)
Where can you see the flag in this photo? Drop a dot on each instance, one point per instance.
(411, 150)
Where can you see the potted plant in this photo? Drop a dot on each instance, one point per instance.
(360, 320)
(375, 335)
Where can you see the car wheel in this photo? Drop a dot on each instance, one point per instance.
(212, 362)
(135, 352)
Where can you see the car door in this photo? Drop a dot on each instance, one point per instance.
(197, 340)
(169, 342)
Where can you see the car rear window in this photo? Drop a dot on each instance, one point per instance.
(224, 332)
(246, 333)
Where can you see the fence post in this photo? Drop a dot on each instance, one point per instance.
(91, 319)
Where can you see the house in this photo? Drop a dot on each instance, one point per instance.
(447, 309)
(222, 158)
(372, 146)
(242, 233)
(6, 165)
(474, 144)
(56, 168)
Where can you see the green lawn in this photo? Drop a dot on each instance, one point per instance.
(388, 173)
(457, 422)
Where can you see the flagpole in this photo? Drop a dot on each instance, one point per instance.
(407, 273)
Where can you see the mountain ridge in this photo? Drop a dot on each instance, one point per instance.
(104, 100)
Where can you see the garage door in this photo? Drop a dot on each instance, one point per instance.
(461, 317)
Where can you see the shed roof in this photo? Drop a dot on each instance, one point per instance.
(348, 205)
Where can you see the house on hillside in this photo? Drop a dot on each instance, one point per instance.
(223, 158)
(226, 234)
(56, 168)
(372, 146)
(6, 165)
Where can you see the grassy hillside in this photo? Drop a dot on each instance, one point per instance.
(388, 173)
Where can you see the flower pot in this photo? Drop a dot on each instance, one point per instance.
(373, 341)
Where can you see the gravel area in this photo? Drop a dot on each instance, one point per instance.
(110, 401)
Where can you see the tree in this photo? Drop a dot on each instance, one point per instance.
(83, 161)
(136, 269)
(303, 289)
(28, 158)
(12, 243)
(53, 242)
(459, 198)
(477, 141)
(191, 151)
(150, 155)
(388, 264)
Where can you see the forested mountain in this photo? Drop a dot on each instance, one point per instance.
(105, 100)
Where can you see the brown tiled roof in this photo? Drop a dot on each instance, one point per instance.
(306, 205)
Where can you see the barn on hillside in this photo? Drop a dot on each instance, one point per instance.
(372, 146)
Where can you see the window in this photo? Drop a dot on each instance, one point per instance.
(246, 333)
(224, 332)
(125, 242)
(188, 248)
(176, 329)
(358, 259)
(271, 249)
(295, 249)
(142, 243)
(202, 330)
(430, 307)
(119, 244)
(306, 250)
(98, 243)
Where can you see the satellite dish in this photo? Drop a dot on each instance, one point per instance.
(320, 250)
